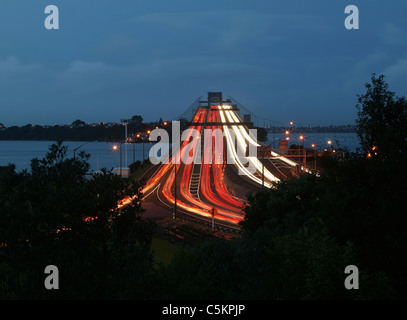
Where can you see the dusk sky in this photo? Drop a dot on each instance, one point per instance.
(290, 60)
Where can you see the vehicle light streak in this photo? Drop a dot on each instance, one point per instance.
(213, 189)
(206, 181)
(193, 204)
(252, 160)
(218, 173)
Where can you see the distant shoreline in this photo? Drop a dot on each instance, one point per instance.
(115, 132)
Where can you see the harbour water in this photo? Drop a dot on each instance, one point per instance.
(320, 140)
(103, 155)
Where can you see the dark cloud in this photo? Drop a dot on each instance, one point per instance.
(282, 59)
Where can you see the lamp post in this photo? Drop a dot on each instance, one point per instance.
(115, 147)
(304, 160)
(274, 131)
(315, 156)
(262, 173)
(329, 142)
(120, 159)
(143, 151)
(174, 212)
(125, 122)
(134, 151)
(176, 158)
(74, 150)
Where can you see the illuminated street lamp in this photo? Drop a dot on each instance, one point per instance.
(315, 156)
(115, 147)
(304, 160)
(329, 142)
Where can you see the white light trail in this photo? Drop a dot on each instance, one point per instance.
(242, 136)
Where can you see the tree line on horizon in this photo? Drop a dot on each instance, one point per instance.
(82, 131)
(77, 131)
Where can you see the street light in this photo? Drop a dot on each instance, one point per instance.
(115, 147)
(174, 213)
(315, 156)
(304, 152)
(262, 173)
(125, 122)
(329, 142)
(74, 150)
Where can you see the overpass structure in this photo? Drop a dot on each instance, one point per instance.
(214, 168)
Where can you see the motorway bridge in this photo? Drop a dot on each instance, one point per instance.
(221, 171)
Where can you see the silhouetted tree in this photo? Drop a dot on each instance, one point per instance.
(136, 119)
(54, 215)
(382, 120)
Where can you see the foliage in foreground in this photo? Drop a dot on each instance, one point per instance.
(53, 215)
